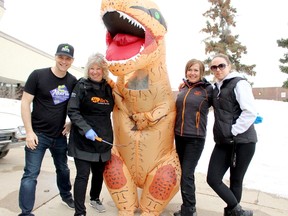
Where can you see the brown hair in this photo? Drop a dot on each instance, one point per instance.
(192, 62)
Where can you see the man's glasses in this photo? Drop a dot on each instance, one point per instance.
(220, 66)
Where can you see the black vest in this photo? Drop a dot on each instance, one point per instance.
(226, 111)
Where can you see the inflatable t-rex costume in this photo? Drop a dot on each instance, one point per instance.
(144, 155)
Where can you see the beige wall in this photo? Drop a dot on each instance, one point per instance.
(2, 9)
(271, 93)
(18, 60)
(1, 12)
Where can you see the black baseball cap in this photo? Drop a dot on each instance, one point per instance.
(65, 49)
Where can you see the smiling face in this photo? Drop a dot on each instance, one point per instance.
(63, 63)
(193, 73)
(95, 73)
(194, 70)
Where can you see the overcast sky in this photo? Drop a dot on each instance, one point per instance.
(45, 24)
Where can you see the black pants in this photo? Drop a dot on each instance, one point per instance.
(220, 162)
(189, 151)
(81, 181)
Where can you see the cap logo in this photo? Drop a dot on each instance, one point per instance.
(65, 49)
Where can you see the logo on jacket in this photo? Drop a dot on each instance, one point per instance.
(198, 93)
(99, 100)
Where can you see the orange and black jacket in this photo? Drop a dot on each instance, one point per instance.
(192, 105)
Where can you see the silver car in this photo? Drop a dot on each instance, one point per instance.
(12, 131)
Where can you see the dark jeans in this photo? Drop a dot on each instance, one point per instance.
(33, 161)
(220, 162)
(189, 151)
(81, 181)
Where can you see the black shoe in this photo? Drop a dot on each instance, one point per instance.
(177, 213)
(69, 202)
(191, 211)
(26, 214)
(238, 211)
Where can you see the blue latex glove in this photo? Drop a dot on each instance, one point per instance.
(91, 134)
(258, 120)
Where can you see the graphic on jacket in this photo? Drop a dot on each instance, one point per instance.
(144, 114)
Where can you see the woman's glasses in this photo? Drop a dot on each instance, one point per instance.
(220, 66)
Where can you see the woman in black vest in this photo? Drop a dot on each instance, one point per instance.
(234, 134)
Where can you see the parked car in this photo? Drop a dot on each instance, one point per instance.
(12, 131)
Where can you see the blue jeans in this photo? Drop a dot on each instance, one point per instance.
(33, 161)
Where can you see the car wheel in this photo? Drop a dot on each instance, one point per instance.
(3, 153)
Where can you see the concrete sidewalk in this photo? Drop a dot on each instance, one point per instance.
(48, 201)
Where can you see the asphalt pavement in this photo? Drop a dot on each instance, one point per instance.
(48, 201)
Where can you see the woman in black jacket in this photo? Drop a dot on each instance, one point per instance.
(192, 105)
(89, 109)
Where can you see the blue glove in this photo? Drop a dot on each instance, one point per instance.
(91, 134)
(258, 120)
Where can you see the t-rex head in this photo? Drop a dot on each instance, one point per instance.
(135, 34)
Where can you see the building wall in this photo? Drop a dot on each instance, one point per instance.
(19, 59)
(2, 9)
(271, 93)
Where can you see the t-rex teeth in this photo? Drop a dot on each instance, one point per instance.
(130, 19)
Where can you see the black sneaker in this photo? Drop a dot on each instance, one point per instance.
(177, 213)
(28, 215)
(69, 202)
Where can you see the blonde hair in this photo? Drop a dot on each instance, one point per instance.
(98, 59)
(225, 57)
